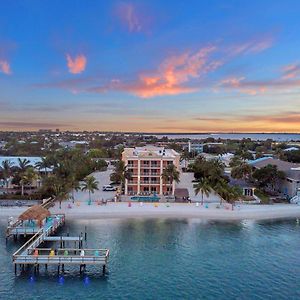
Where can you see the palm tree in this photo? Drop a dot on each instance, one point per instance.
(6, 167)
(43, 164)
(242, 171)
(221, 189)
(185, 156)
(120, 173)
(90, 184)
(23, 164)
(235, 194)
(204, 187)
(170, 174)
(73, 183)
(28, 176)
(60, 192)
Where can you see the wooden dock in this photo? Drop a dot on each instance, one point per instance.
(32, 254)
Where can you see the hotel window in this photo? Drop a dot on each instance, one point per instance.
(130, 189)
(145, 172)
(130, 163)
(146, 163)
(154, 164)
(169, 163)
(153, 189)
(146, 189)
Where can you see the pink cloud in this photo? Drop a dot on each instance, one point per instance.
(5, 67)
(77, 64)
(133, 18)
(252, 47)
(242, 86)
(291, 71)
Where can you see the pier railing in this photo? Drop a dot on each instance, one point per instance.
(48, 203)
(89, 258)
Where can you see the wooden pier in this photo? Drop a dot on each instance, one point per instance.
(32, 254)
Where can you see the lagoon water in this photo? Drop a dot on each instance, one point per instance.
(171, 259)
(279, 137)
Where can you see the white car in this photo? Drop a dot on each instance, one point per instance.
(109, 188)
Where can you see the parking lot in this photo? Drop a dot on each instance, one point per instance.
(104, 179)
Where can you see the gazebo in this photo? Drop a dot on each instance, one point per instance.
(181, 195)
(36, 212)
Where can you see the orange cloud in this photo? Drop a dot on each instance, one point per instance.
(172, 77)
(77, 64)
(5, 67)
(173, 73)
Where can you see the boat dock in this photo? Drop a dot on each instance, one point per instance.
(67, 250)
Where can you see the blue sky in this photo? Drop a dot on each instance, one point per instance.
(154, 66)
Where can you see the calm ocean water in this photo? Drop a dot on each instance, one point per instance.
(280, 137)
(172, 259)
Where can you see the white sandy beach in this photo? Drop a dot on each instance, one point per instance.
(174, 210)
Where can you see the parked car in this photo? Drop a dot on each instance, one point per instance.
(109, 188)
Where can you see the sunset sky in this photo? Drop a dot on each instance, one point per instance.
(151, 66)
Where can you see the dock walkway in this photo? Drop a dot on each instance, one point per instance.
(32, 254)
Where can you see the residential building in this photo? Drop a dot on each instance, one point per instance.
(146, 165)
(290, 185)
(195, 147)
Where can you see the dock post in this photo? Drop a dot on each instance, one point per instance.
(63, 268)
(103, 269)
(85, 233)
(58, 269)
(15, 269)
(46, 267)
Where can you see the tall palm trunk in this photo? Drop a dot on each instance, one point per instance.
(202, 202)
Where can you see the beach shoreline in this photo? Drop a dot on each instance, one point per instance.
(162, 210)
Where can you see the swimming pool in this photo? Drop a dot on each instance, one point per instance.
(145, 198)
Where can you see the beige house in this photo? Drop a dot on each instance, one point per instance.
(146, 165)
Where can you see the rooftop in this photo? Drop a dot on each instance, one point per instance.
(292, 170)
(150, 151)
